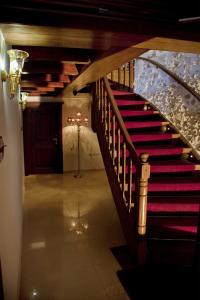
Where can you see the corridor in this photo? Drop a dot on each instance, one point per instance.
(70, 229)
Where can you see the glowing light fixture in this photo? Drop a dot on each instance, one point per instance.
(17, 58)
(78, 121)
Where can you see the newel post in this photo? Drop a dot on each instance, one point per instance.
(143, 190)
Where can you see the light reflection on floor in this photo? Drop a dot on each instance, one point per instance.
(70, 224)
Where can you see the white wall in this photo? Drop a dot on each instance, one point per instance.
(11, 189)
(90, 155)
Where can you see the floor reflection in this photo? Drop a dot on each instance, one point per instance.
(77, 224)
(69, 227)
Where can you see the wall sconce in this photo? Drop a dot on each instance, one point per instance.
(23, 100)
(17, 58)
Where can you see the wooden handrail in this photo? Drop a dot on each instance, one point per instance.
(175, 77)
(120, 121)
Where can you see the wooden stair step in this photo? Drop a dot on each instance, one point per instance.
(173, 184)
(165, 150)
(128, 103)
(176, 204)
(136, 113)
(144, 124)
(154, 137)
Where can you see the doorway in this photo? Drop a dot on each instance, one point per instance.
(42, 133)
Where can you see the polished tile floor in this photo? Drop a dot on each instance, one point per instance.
(70, 227)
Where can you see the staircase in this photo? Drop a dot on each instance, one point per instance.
(174, 184)
(154, 177)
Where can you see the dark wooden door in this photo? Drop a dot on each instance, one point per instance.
(42, 127)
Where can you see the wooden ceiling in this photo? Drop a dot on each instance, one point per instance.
(48, 70)
(113, 15)
(63, 38)
(58, 55)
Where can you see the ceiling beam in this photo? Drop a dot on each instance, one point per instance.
(36, 77)
(45, 78)
(59, 85)
(46, 36)
(75, 56)
(42, 84)
(49, 67)
(45, 89)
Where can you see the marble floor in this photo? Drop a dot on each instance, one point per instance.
(69, 230)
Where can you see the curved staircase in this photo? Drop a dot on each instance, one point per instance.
(174, 185)
(173, 195)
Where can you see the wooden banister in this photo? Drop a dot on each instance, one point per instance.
(128, 168)
(119, 118)
(129, 171)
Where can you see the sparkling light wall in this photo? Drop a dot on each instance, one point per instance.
(175, 102)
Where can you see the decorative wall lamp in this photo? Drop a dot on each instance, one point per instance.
(23, 100)
(17, 58)
(78, 121)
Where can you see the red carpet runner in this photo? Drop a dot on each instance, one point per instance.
(174, 185)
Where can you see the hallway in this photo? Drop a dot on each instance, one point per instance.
(60, 258)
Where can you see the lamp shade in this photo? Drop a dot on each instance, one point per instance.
(17, 58)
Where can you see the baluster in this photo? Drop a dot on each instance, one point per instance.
(97, 92)
(124, 167)
(112, 76)
(121, 82)
(102, 102)
(143, 190)
(105, 114)
(100, 95)
(113, 139)
(109, 126)
(96, 87)
(130, 183)
(131, 75)
(124, 75)
(119, 76)
(118, 153)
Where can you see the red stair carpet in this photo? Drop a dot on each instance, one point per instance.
(174, 184)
